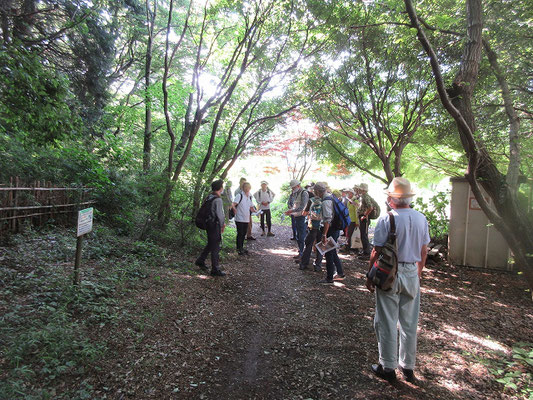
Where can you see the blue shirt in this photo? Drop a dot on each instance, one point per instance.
(412, 233)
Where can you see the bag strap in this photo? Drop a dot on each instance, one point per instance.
(392, 233)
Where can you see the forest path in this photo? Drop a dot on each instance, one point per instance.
(269, 331)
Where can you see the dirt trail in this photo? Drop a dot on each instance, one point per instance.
(268, 331)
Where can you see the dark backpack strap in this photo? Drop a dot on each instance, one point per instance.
(392, 221)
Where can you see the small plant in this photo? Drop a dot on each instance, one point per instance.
(515, 374)
(436, 214)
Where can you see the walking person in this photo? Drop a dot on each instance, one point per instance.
(215, 229)
(264, 197)
(243, 206)
(300, 197)
(329, 229)
(399, 306)
(365, 208)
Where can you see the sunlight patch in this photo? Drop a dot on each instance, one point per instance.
(282, 252)
(488, 343)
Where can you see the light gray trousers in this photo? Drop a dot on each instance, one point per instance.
(399, 306)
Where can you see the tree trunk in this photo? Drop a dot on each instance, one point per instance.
(506, 215)
(147, 148)
(23, 23)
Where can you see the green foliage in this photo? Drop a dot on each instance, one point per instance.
(515, 374)
(37, 106)
(436, 212)
(46, 332)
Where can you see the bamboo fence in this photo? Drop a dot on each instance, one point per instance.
(23, 205)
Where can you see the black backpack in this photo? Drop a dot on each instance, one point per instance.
(205, 214)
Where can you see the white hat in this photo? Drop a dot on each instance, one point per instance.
(294, 182)
(399, 188)
(264, 183)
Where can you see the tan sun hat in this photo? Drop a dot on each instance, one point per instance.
(362, 186)
(294, 182)
(400, 188)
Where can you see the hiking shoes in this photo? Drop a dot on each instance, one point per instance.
(408, 374)
(250, 238)
(201, 265)
(380, 372)
(270, 234)
(217, 272)
(326, 281)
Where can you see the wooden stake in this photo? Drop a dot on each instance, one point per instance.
(77, 262)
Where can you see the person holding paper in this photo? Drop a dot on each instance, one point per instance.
(328, 213)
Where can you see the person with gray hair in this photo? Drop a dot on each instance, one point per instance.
(400, 306)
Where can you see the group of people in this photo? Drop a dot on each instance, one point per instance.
(314, 219)
(240, 206)
(309, 217)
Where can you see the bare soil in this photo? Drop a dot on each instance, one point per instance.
(268, 331)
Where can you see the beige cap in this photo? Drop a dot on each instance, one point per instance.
(400, 188)
(294, 182)
(362, 186)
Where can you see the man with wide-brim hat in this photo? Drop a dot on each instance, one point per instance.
(400, 188)
(298, 198)
(399, 306)
(367, 209)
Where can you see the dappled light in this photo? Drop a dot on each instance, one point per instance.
(466, 340)
(161, 162)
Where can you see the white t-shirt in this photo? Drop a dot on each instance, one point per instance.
(412, 233)
(243, 209)
(261, 196)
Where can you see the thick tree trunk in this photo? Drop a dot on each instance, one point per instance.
(147, 148)
(506, 215)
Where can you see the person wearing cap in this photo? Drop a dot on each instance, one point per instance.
(313, 211)
(300, 197)
(239, 190)
(352, 204)
(243, 207)
(333, 262)
(399, 306)
(365, 208)
(264, 197)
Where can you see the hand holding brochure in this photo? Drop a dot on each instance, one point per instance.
(257, 213)
(330, 245)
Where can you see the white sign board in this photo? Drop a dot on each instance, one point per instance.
(85, 221)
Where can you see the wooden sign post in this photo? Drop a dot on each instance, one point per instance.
(85, 225)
